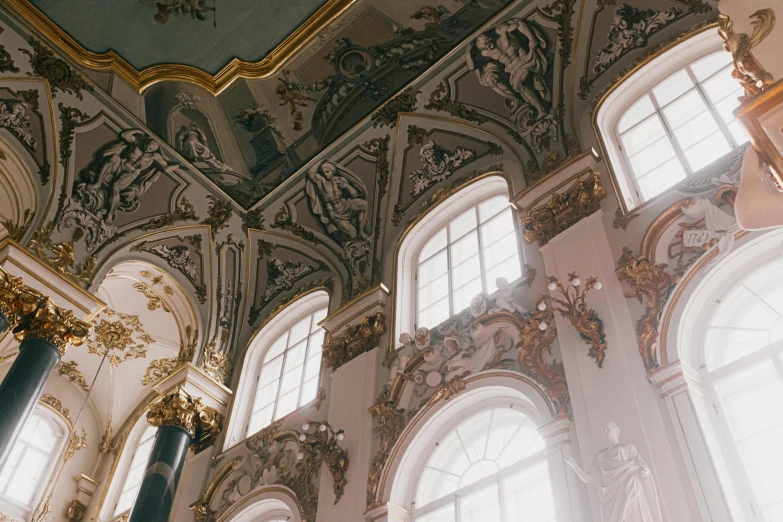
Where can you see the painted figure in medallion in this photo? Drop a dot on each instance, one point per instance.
(339, 200)
(625, 486)
(511, 59)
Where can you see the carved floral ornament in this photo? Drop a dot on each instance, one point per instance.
(354, 341)
(119, 334)
(180, 409)
(564, 210)
(288, 458)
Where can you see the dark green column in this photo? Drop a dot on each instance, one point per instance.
(3, 323)
(21, 388)
(156, 495)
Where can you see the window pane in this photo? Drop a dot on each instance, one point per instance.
(465, 272)
(318, 316)
(643, 135)
(492, 206)
(509, 269)
(464, 248)
(463, 296)
(650, 158)
(438, 242)
(287, 403)
(499, 227)
(636, 113)
(276, 349)
(309, 390)
(661, 178)
(481, 506)
(672, 87)
(722, 86)
(726, 345)
(528, 495)
(709, 64)
(295, 355)
(684, 109)
(299, 331)
(695, 130)
(270, 372)
(707, 151)
(433, 268)
(435, 314)
(433, 292)
(463, 224)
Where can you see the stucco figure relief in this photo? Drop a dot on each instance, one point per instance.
(438, 164)
(339, 200)
(626, 488)
(13, 116)
(511, 59)
(121, 172)
(196, 9)
(192, 144)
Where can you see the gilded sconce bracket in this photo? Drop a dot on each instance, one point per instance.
(572, 306)
(319, 441)
(354, 341)
(180, 409)
(747, 69)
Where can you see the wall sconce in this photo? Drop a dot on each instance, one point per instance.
(318, 439)
(572, 306)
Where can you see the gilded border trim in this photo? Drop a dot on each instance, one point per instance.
(215, 84)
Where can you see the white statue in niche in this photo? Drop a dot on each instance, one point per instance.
(625, 486)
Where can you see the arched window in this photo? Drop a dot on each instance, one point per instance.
(464, 258)
(743, 367)
(455, 252)
(492, 466)
(289, 371)
(30, 464)
(673, 118)
(135, 474)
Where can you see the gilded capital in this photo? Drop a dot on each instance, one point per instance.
(51, 323)
(16, 298)
(181, 410)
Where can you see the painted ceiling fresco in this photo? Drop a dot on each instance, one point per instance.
(200, 33)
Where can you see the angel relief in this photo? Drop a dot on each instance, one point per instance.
(511, 59)
(121, 171)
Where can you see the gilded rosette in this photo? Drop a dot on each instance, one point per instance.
(51, 323)
(182, 410)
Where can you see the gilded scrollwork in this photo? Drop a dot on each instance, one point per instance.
(388, 422)
(119, 334)
(747, 69)
(573, 307)
(53, 324)
(160, 368)
(354, 341)
(651, 282)
(70, 370)
(75, 443)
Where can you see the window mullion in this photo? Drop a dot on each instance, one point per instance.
(670, 134)
(457, 509)
(501, 499)
(484, 284)
(304, 367)
(713, 112)
(282, 372)
(448, 272)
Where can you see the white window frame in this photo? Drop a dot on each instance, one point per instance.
(133, 454)
(241, 407)
(615, 104)
(772, 352)
(406, 289)
(16, 510)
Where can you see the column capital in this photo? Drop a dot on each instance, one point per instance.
(182, 410)
(16, 298)
(51, 323)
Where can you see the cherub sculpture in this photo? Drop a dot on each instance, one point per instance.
(504, 297)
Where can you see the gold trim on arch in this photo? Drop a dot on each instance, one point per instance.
(215, 84)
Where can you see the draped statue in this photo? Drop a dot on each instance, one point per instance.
(625, 486)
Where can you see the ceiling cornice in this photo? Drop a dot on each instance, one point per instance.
(141, 80)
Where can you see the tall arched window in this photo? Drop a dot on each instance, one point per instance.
(464, 258)
(743, 367)
(492, 466)
(135, 474)
(673, 118)
(289, 371)
(455, 252)
(30, 464)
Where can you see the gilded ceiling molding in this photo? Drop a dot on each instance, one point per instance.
(563, 210)
(354, 341)
(141, 80)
